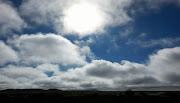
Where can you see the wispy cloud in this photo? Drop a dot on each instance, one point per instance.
(163, 42)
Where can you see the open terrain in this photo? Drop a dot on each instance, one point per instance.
(58, 96)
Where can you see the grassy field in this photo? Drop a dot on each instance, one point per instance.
(58, 96)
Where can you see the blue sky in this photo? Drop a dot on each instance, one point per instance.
(112, 44)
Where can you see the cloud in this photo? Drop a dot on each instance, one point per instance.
(22, 74)
(102, 68)
(163, 42)
(9, 20)
(144, 6)
(20, 77)
(49, 68)
(85, 50)
(161, 70)
(105, 75)
(143, 35)
(6, 83)
(86, 17)
(7, 54)
(87, 42)
(42, 11)
(126, 32)
(67, 16)
(165, 64)
(48, 48)
(59, 13)
(157, 3)
(48, 52)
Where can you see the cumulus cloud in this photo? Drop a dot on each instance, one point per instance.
(6, 83)
(21, 74)
(48, 48)
(102, 75)
(86, 77)
(7, 54)
(20, 77)
(161, 70)
(49, 68)
(89, 17)
(9, 19)
(165, 64)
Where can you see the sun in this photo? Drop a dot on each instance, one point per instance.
(83, 19)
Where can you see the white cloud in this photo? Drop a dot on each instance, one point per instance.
(99, 74)
(7, 54)
(87, 42)
(86, 17)
(48, 51)
(48, 48)
(68, 17)
(22, 74)
(165, 64)
(85, 50)
(96, 18)
(9, 19)
(20, 77)
(162, 69)
(49, 68)
(42, 11)
(6, 83)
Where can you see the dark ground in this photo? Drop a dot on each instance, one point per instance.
(57, 96)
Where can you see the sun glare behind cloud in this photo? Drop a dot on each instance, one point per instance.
(83, 19)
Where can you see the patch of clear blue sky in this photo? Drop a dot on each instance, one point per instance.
(162, 23)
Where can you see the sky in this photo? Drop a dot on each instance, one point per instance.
(106, 45)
